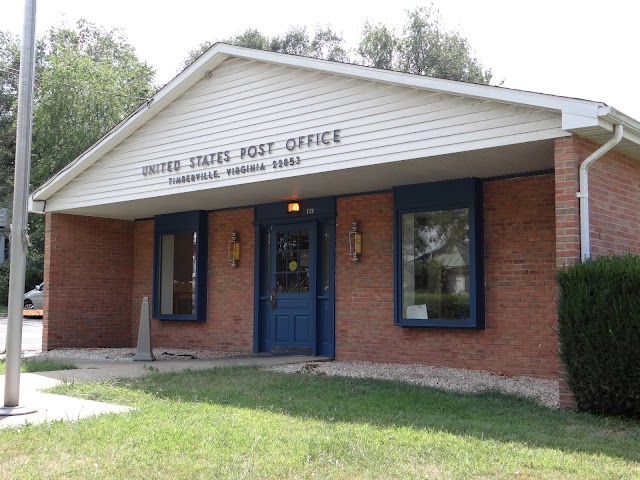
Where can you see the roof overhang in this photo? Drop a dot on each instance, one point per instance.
(594, 120)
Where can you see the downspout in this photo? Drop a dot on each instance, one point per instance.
(583, 194)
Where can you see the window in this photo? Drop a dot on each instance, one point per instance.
(180, 291)
(438, 255)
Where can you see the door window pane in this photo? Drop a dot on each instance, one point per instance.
(436, 265)
(292, 262)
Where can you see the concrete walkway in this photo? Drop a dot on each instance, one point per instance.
(52, 407)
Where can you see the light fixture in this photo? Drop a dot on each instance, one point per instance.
(234, 249)
(293, 207)
(355, 242)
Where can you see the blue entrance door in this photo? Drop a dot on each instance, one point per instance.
(292, 298)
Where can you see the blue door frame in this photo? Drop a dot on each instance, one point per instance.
(292, 268)
(295, 322)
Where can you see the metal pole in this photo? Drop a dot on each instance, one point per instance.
(19, 222)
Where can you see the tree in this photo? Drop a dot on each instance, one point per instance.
(325, 44)
(9, 67)
(378, 47)
(87, 80)
(425, 48)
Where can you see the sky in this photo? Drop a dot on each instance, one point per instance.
(576, 48)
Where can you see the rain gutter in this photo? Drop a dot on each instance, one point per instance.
(583, 194)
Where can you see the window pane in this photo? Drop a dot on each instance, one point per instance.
(292, 283)
(303, 282)
(178, 274)
(435, 265)
(266, 272)
(304, 240)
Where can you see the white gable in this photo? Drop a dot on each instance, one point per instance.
(246, 122)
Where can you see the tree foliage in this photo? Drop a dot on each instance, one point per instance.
(325, 44)
(378, 47)
(87, 80)
(9, 66)
(424, 48)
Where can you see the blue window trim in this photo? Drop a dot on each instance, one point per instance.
(194, 221)
(465, 193)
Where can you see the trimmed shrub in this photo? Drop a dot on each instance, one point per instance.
(599, 330)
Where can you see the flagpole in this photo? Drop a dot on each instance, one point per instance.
(19, 223)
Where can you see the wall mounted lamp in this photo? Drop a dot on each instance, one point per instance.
(293, 207)
(355, 242)
(234, 249)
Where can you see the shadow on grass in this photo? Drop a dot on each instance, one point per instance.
(488, 415)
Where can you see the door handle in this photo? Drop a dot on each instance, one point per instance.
(273, 299)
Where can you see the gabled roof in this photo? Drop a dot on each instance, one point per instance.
(588, 118)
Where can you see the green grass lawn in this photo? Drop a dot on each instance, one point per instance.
(29, 365)
(255, 424)
(3, 309)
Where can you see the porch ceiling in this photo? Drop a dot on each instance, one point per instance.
(487, 163)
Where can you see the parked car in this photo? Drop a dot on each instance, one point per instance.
(34, 299)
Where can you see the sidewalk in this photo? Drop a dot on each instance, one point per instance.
(59, 407)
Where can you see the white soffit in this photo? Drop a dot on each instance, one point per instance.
(487, 163)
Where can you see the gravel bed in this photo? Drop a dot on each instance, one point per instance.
(542, 391)
(127, 354)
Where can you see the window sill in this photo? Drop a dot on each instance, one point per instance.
(180, 318)
(453, 324)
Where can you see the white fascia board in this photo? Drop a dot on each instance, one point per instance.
(610, 117)
(35, 206)
(572, 121)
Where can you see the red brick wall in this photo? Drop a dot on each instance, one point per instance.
(567, 163)
(567, 159)
(614, 203)
(87, 276)
(229, 325)
(142, 272)
(364, 290)
(614, 208)
(520, 287)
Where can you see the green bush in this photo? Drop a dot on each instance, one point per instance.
(4, 283)
(599, 330)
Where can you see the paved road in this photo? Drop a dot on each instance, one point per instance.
(31, 334)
